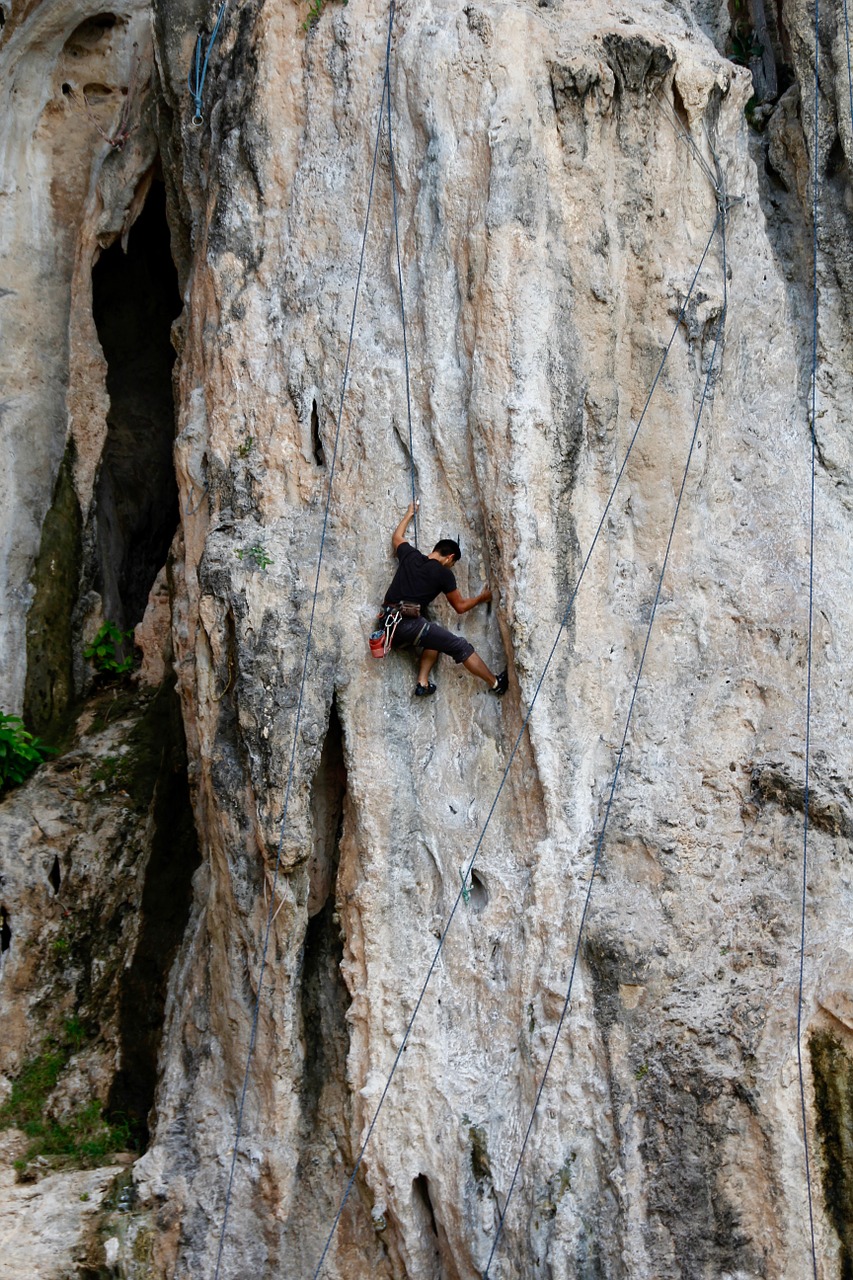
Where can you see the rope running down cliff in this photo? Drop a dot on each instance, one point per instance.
(400, 282)
(562, 626)
(198, 71)
(721, 222)
(289, 782)
(813, 441)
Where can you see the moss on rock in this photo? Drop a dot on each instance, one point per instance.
(49, 689)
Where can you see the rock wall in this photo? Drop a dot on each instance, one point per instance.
(560, 171)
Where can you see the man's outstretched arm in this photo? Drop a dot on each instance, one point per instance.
(462, 605)
(399, 534)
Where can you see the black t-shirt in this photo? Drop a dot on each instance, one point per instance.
(418, 579)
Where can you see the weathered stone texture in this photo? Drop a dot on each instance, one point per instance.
(556, 167)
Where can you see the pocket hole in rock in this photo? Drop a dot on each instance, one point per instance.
(316, 442)
(478, 891)
(55, 876)
(5, 931)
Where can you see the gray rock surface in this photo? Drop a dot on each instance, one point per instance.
(560, 169)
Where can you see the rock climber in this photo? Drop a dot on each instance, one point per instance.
(418, 580)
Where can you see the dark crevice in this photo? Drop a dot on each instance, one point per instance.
(55, 876)
(832, 1073)
(49, 689)
(836, 160)
(135, 298)
(158, 751)
(316, 442)
(5, 931)
(324, 996)
(420, 1188)
(326, 1112)
(433, 1237)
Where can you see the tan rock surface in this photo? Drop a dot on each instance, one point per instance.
(552, 216)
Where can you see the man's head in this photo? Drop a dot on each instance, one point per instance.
(447, 547)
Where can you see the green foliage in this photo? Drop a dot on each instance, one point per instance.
(75, 1032)
(37, 1079)
(642, 1071)
(105, 651)
(60, 947)
(20, 752)
(744, 45)
(246, 447)
(315, 9)
(256, 554)
(85, 1136)
(115, 772)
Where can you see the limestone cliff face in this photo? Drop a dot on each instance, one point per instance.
(560, 171)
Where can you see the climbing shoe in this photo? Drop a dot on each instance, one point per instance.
(424, 690)
(502, 685)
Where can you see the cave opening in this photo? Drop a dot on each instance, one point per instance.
(135, 299)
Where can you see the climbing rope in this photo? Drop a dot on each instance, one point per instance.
(463, 891)
(289, 782)
(400, 284)
(812, 430)
(849, 71)
(721, 221)
(198, 71)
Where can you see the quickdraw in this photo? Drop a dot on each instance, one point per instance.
(381, 639)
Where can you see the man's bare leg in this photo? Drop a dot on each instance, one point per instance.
(477, 667)
(427, 662)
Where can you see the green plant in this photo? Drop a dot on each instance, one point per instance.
(20, 752)
(245, 448)
(75, 1032)
(106, 649)
(315, 9)
(745, 46)
(60, 947)
(641, 1072)
(83, 1137)
(256, 554)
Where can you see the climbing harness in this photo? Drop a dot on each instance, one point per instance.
(300, 700)
(466, 875)
(389, 618)
(198, 71)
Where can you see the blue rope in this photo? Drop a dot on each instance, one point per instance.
(195, 83)
(721, 221)
(464, 887)
(400, 282)
(849, 71)
(815, 194)
(288, 786)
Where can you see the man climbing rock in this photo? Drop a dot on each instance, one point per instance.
(418, 580)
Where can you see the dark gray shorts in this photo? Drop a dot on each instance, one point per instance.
(432, 637)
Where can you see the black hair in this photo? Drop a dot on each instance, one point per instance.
(447, 547)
